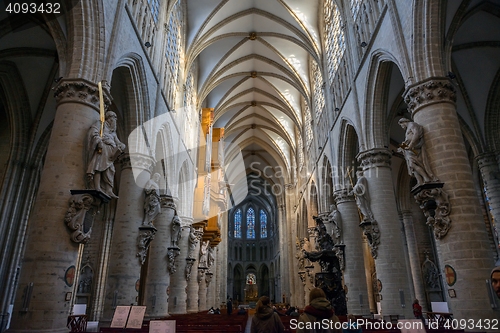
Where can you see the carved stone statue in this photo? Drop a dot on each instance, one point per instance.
(335, 219)
(211, 256)
(360, 190)
(145, 238)
(152, 205)
(176, 230)
(413, 149)
(194, 238)
(299, 254)
(102, 151)
(204, 253)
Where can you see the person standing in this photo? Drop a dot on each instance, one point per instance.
(229, 306)
(417, 310)
(265, 320)
(495, 280)
(319, 309)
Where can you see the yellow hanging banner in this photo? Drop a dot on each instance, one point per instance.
(101, 107)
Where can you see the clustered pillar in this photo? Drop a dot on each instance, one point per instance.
(354, 272)
(463, 248)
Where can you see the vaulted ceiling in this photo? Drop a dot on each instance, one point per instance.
(253, 60)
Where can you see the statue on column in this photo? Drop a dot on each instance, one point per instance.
(299, 255)
(204, 253)
(193, 241)
(335, 219)
(176, 230)
(360, 191)
(211, 256)
(369, 224)
(102, 151)
(152, 205)
(413, 149)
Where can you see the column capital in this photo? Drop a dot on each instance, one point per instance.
(81, 91)
(343, 195)
(136, 161)
(487, 159)
(376, 157)
(430, 91)
(167, 202)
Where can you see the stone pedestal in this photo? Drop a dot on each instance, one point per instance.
(50, 255)
(158, 277)
(390, 261)
(354, 271)
(432, 103)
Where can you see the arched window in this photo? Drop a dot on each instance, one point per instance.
(250, 223)
(334, 37)
(237, 224)
(263, 224)
(173, 51)
(307, 124)
(318, 94)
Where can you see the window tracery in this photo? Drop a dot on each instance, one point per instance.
(173, 51)
(237, 224)
(307, 124)
(334, 36)
(318, 93)
(250, 223)
(263, 224)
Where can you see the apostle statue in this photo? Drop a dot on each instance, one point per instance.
(336, 221)
(152, 206)
(204, 253)
(413, 150)
(211, 256)
(360, 190)
(103, 149)
(176, 230)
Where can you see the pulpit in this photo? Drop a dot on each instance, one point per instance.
(77, 323)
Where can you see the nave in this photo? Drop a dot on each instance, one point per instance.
(175, 154)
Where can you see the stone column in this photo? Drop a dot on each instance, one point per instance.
(389, 262)
(202, 290)
(354, 271)
(212, 281)
(490, 173)
(125, 266)
(177, 302)
(158, 276)
(40, 304)
(192, 277)
(432, 103)
(413, 255)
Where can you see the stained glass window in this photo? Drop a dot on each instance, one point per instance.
(250, 223)
(263, 224)
(237, 224)
(334, 38)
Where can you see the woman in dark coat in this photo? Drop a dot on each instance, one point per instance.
(265, 320)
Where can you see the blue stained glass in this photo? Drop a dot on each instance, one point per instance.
(263, 224)
(237, 224)
(250, 223)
